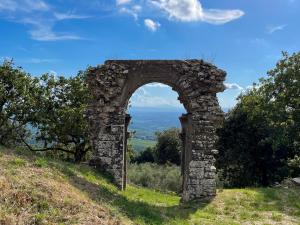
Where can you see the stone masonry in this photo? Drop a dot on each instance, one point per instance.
(196, 83)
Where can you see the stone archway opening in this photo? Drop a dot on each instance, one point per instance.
(196, 83)
(155, 107)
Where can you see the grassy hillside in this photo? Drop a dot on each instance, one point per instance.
(37, 190)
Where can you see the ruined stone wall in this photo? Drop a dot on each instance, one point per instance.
(196, 82)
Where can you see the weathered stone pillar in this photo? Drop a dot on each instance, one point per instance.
(108, 148)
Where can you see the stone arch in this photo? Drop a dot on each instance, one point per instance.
(196, 83)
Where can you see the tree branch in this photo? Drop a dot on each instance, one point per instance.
(44, 149)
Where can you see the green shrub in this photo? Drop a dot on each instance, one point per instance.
(18, 162)
(41, 162)
(159, 177)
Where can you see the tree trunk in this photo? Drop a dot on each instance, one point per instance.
(79, 154)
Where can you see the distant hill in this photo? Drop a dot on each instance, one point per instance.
(146, 121)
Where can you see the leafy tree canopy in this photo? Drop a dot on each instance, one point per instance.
(261, 134)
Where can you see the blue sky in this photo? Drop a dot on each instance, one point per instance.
(245, 38)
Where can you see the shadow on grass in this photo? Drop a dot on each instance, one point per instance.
(283, 200)
(135, 210)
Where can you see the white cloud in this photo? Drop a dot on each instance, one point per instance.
(40, 24)
(145, 97)
(154, 101)
(140, 100)
(218, 16)
(37, 60)
(157, 85)
(151, 25)
(47, 34)
(8, 5)
(273, 29)
(233, 86)
(24, 5)
(42, 30)
(133, 11)
(191, 10)
(69, 16)
(36, 5)
(122, 2)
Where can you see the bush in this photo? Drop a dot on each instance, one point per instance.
(168, 148)
(159, 177)
(144, 156)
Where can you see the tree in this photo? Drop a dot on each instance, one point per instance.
(60, 115)
(261, 135)
(53, 107)
(145, 156)
(17, 93)
(282, 93)
(168, 147)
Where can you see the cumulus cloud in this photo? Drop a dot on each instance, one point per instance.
(233, 86)
(273, 29)
(151, 25)
(192, 11)
(122, 2)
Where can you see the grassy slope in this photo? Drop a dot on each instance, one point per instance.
(42, 191)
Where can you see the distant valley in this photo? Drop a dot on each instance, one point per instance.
(146, 121)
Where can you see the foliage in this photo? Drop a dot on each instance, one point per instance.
(144, 156)
(167, 149)
(154, 176)
(131, 154)
(17, 92)
(52, 107)
(294, 165)
(262, 133)
(60, 119)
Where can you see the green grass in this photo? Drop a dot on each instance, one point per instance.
(56, 192)
(140, 145)
(166, 178)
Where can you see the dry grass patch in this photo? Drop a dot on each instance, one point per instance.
(35, 195)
